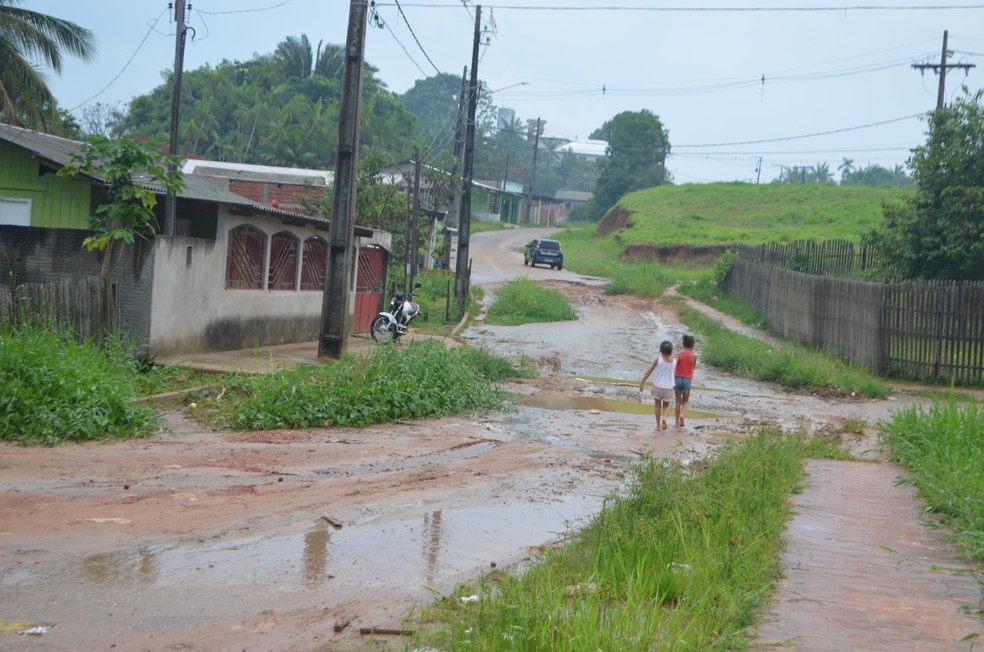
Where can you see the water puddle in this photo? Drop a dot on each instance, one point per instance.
(183, 583)
(558, 401)
(462, 452)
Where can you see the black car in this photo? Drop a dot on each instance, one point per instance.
(544, 251)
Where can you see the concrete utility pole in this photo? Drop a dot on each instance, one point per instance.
(335, 322)
(941, 70)
(462, 263)
(170, 202)
(529, 195)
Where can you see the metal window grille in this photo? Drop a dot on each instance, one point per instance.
(283, 262)
(244, 261)
(313, 264)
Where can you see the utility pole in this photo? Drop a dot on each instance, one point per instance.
(758, 171)
(462, 270)
(412, 245)
(941, 70)
(335, 322)
(454, 214)
(170, 202)
(529, 195)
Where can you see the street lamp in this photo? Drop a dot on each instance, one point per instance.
(505, 88)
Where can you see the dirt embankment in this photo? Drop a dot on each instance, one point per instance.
(617, 220)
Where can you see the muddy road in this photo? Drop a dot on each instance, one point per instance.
(198, 540)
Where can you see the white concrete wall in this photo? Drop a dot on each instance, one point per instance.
(192, 311)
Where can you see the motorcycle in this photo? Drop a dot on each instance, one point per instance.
(391, 326)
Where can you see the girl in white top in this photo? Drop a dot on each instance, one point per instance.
(664, 367)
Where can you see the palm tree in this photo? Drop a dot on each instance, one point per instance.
(27, 37)
(294, 58)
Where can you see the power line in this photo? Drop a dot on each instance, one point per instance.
(812, 135)
(125, 66)
(247, 11)
(841, 8)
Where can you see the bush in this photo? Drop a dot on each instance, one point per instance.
(525, 301)
(57, 390)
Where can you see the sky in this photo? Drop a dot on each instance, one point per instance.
(745, 88)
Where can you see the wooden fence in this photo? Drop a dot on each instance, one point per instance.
(88, 305)
(928, 331)
(824, 258)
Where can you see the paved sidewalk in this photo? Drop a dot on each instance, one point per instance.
(862, 573)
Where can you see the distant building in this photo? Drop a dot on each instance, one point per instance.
(591, 150)
(506, 118)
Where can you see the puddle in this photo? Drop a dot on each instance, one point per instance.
(724, 434)
(621, 382)
(462, 452)
(557, 401)
(179, 585)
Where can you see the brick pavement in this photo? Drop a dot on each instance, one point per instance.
(861, 572)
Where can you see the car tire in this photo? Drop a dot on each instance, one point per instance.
(560, 266)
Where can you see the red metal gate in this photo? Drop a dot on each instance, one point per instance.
(368, 287)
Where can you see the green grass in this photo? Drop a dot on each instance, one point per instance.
(525, 301)
(418, 380)
(683, 560)
(792, 365)
(57, 390)
(735, 213)
(943, 451)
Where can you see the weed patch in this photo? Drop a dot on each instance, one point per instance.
(525, 301)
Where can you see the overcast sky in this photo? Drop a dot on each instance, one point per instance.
(784, 82)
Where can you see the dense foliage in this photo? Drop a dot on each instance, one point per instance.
(525, 301)
(57, 390)
(28, 38)
(636, 158)
(938, 233)
(418, 380)
(276, 109)
(130, 209)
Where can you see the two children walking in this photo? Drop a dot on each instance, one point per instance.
(672, 381)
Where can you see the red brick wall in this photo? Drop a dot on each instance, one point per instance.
(265, 192)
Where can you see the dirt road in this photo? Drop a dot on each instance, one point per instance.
(199, 540)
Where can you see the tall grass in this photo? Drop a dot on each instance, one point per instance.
(681, 561)
(524, 301)
(56, 389)
(419, 380)
(943, 449)
(792, 364)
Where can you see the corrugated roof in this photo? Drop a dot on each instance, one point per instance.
(59, 151)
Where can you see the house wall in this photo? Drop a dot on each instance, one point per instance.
(285, 194)
(34, 255)
(192, 310)
(56, 202)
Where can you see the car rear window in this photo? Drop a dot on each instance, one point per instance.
(549, 244)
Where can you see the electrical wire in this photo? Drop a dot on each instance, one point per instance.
(248, 11)
(125, 66)
(811, 135)
(842, 8)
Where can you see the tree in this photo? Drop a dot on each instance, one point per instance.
(130, 210)
(27, 37)
(635, 158)
(846, 168)
(939, 232)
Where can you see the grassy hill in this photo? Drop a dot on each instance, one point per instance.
(728, 213)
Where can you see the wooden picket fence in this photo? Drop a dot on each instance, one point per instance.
(927, 331)
(88, 305)
(824, 258)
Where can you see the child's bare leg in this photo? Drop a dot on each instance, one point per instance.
(659, 414)
(684, 404)
(676, 408)
(666, 413)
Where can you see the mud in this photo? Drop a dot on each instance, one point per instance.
(198, 540)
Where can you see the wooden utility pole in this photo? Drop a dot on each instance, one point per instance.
(170, 201)
(454, 214)
(335, 322)
(412, 245)
(941, 70)
(529, 195)
(462, 263)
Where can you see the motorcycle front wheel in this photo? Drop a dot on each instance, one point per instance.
(382, 330)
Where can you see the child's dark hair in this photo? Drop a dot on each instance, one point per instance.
(688, 341)
(666, 348)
